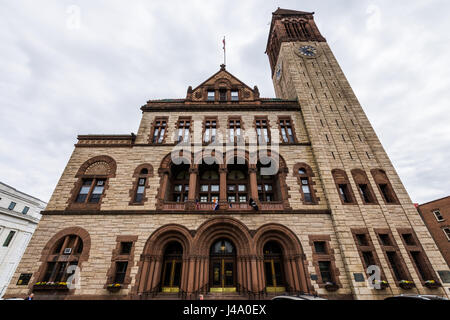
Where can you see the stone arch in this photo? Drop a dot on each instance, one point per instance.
(99, 165)
(139, 168)
(282, 167)
(158, 240)
(216, 155)
(78, 231)
(166, 162)
(47, 251)
(236, 232)
(295, 264)
(150, 264)
(223, 227)
(239, 153)
(288, 241)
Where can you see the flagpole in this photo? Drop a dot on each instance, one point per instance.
(224, 52)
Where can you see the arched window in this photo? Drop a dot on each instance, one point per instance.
(384, 186)
(93, 178)
(142, 175)
(268, 184)
(363, 185)
(304, 175)
(237, 182)
(343, 186)
(172, 265)
(209, 183)
(64, 254)
(273, 269)
(179, 183)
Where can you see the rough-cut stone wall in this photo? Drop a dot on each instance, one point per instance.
(128, 159)
(103, 231)
(330, 107)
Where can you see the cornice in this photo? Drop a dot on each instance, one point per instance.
(193, 212)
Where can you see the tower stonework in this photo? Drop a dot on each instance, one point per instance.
(304, 68)
(226, 193)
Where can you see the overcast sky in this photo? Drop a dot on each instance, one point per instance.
(61, 76)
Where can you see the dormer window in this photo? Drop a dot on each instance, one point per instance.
(234, 95)
(211, 95)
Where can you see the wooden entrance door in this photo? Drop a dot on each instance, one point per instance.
(223, 267)
(172, 265)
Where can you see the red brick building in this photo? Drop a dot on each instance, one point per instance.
(436, 215)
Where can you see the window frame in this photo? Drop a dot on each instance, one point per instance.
(417, 255)
(84, 172)
(91, 190)
(12, 205)
(185, 125)
(341, 180)
(160, 124)
(436, 215)
(327, 257)
(234, 98)
(9, 238)
(264, 135)
(285, 123)
(307, 175)
(235, 125)
(210, 194)
(446, 231)
(210, 129)
(381, 179)
(388, 250)
(137, 176)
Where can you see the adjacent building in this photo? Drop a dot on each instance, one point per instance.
(224, 192)
(19, 217)
(436, 215)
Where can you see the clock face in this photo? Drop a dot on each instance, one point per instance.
(308, 51)
(279, 70)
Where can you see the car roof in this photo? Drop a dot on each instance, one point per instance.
(417, 296)
(298, 297)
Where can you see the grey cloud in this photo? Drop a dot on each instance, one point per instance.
(56, 83)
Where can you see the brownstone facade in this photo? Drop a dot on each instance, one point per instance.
(436, 215)
(227, 192)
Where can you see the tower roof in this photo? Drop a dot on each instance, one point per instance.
(290, 12)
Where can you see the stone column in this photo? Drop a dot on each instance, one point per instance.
(164, 174)
(281, 176)
(156, 272)
(193, 178)
(223, 202)
(303, 280)
(253, 183)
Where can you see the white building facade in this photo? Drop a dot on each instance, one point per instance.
(19, 216)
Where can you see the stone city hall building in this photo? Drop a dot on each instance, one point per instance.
(140, 225)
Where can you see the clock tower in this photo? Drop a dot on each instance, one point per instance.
(349, 156)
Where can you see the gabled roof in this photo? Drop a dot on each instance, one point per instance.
(222, 79)
(222, 73)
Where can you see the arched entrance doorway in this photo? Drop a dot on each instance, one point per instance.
(273, 268)
(223, 266)
(172, 264)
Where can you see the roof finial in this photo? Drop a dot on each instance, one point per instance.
(222, 67)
